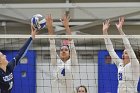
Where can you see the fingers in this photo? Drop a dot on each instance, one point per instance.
(103, 23)
(121, 20)
(49, 20)
(65, 18)
(116, 24)
(61, 20)
(106, 25)
(49, 17)
(32, 28)
(106, 22)
(33, 32)
(68, 17)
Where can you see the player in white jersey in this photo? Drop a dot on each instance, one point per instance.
(64, 65)
(128, 66)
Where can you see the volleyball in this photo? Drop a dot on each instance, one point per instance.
(38, 22)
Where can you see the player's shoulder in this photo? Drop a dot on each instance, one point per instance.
(128, 64)
(10, 66)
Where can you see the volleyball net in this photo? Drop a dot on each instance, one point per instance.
(34, 74)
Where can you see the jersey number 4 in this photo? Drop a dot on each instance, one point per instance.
(63, 72)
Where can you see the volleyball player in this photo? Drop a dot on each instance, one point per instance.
(128, 66)
(81, 89)
(65, 64)
(7, 68)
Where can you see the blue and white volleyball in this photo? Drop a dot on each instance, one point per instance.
(38, 22)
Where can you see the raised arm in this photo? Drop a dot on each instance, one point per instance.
(53, 52)
(109, 44)
(73, 55)
(23, 49)
(126, 42)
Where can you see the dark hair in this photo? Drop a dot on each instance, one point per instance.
(66, 46)
(83, 87)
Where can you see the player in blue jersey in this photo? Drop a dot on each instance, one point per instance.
(7, 68)
(128, 66)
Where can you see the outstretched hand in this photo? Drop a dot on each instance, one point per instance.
(106, 26)
(65, 20)
(120, 23)
(33, 32)
(49, 24)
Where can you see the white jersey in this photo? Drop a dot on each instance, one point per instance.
(128, 75)
(63, 82)
(63, 73)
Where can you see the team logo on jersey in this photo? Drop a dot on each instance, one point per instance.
(8, 77)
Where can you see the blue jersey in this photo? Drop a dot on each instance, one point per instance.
(6, 78)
